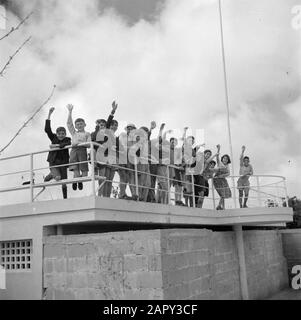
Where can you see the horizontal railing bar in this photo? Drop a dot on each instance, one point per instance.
(53, 183)
(97, 144)
(14, 173)
(174, 192)
(271, 195)
(49, 150)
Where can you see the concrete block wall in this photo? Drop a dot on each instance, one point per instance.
(292, 249)
(226, 283)
(186, 264)
(266, 264)
(123, 265)
(199, 264)
(161, 264)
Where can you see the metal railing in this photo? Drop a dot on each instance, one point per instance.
(265, 190)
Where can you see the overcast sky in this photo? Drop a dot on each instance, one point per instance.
(161, 60)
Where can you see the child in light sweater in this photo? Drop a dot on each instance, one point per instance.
(243, 183)
(78, 154)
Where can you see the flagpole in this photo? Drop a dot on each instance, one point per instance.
(226, 83)
(237, 228)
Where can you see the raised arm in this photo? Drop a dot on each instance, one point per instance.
(51, 110)
(48, 125)
(217, 155)
(111, 116)
(152, 127)
(70, 125)
(166, 133)
(241, 159)
(184, 133)
(161, 130)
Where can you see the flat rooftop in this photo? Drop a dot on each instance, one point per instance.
(105, 211)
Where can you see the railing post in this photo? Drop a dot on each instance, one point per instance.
(285, 190)
(193, 191)
(31, 178)
(213, 195)
(93, 169)
(258, 191)
(278, 196)
(168, 185)
(136, 179)
(234, 192)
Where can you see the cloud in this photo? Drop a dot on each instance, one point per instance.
(168, 68)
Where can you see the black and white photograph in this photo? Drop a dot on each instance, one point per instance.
(150, 152)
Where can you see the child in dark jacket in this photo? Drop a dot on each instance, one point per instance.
(57, 157)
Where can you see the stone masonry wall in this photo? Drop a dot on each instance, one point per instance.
(161, 264)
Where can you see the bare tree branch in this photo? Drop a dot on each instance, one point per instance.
(13, 29)
(27, 121)
(11, 57)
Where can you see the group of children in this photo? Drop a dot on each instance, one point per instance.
(157, 164)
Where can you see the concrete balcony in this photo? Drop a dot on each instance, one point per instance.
(105, 211)
(33, 221)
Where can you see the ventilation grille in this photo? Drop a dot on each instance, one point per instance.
(16, 255)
